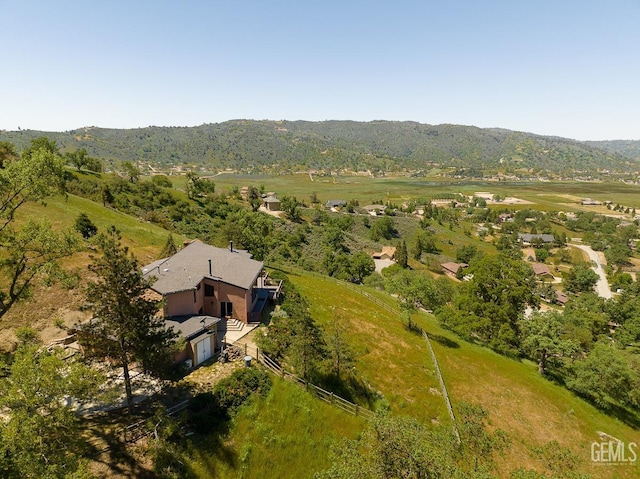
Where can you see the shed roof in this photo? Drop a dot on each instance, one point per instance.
(188, 267)
(190, 327)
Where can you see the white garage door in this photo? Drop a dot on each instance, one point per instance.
(204, 350)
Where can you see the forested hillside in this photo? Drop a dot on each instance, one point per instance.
(627, 148)
(376, 146)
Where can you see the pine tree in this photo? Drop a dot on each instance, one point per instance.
(169, 248)
(126, 328)
(401, 254)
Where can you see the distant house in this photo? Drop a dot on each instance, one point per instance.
(202, 285)
(271, 203)
(451, 269)
(388, 252)
(561, 298)
(374, 210)
(542, 271)
(336, 203)
(526, 239)
(590, 202)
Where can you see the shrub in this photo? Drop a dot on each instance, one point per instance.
(232, 392)
(85, 226)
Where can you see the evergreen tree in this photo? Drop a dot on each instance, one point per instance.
(169, 248)
(126, 328)
(401, 254)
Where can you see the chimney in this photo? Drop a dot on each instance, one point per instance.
(210, 268)
(231, 246)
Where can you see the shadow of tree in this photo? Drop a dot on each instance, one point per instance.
(351, 388)
(443, 340)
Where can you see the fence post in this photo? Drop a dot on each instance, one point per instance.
(331, 398)
(245, 349)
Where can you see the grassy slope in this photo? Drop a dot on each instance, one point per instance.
(55, 302)
(531, 409)
(286, 434)
(144, 239)
(394, 362)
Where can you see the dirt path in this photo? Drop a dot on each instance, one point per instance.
(597, 258)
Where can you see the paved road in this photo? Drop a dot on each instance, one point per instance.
(602, 286)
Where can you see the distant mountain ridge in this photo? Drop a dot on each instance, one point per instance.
(626, 148)
(375, 145)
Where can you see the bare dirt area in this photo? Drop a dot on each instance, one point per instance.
(48, 308)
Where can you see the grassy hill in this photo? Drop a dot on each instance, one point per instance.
(376, 145)
(289, 433)
(62, 300)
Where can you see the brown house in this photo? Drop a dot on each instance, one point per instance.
(452, 269)
(388, 252)
(542, 271)
(202, 285)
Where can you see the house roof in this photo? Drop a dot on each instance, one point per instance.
(333, 203)
(527, 238)
(454, 267)
(540, 269)
(561, 297)
(375, 207)
(390, 251)
(188, 267)
(271, 199)
(190, 327)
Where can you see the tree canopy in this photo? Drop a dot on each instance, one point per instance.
(126, 327)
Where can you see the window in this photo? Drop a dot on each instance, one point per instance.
(226, 308)
(208, 290)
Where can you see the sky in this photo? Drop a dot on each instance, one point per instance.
(567, 68)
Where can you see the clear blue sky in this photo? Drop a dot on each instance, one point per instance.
(558, 67)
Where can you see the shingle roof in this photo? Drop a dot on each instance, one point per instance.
(528, 238)
(454, 267)
(540, 269)
(189, 266)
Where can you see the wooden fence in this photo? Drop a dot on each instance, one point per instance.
(447, 401)
(392, 310)
(320, 393)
